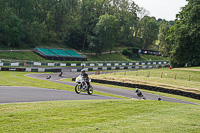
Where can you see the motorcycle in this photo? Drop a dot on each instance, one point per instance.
(82, 86)
(60, 74)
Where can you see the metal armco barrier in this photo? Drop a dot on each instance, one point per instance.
(13, 69)
(32, 69)
(121, 67)
(92, 64)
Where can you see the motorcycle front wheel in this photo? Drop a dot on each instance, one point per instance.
(78, 89)
(90, 90)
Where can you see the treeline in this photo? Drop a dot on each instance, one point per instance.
(82, 24)
(99, 25)
(182, 40)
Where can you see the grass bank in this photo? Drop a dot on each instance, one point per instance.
(19, 55)
(120, 57)
(101, 116)
(31, 56)
(172, 79)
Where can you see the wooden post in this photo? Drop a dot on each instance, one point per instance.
(137, 73)
(175, 76)
(161, 74)
(149, 74)
(124, 73)
(189, 77)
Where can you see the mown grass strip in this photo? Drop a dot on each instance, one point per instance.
(141, 77)
(101, 116)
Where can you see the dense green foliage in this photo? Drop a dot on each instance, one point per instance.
(126, 52)
(80, 24)
(164, 46)
(182, 41)
(185, 36)
(105, 33)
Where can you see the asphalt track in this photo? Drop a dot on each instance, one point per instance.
(115, 91)
(32, 94)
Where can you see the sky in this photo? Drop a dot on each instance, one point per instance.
(164, 9)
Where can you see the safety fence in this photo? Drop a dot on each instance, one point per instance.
(32, 69)
(121, 67)
(87, 64)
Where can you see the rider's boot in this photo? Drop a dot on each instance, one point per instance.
(88, 87)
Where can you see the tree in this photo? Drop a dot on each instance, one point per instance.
(127, 19)
(36, 33)
(149, 31)
(74, 38)
(90, 11)
(106, 32)
(164, 46)
(11, 29)
(184, 36)
(70, 21)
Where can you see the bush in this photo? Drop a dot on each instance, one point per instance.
(126, 52)
(11, 29)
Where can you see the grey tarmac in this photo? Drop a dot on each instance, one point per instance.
(115, 91)
(9, 94)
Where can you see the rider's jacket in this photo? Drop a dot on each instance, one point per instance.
(85, 76)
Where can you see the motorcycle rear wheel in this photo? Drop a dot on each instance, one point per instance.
(90, 90)
(78, 89)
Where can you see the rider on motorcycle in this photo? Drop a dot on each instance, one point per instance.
(85, 76)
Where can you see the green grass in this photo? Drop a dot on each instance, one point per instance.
(100, 116)
(168, 78)
(16, 55)
(108, 57)
(120, 57)
(192, 67)
(151, 57)
(31, 56)
(19, 79)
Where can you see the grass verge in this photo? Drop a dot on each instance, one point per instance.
(101, 116)
(167, 81)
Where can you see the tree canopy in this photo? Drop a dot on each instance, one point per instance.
(184, 36)
(75, 23)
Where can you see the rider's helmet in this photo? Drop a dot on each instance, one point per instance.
(82, 71)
